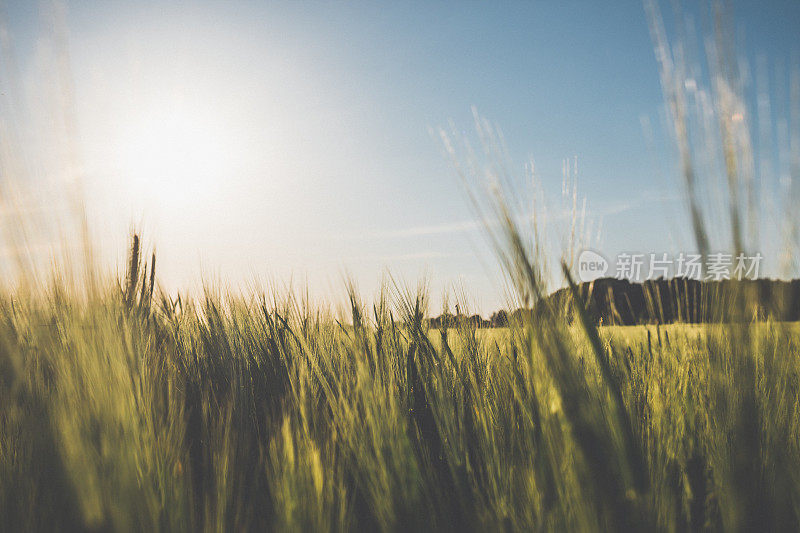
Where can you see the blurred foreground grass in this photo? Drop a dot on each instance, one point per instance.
(126, 410)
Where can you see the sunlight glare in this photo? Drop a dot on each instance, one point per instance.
(175, 154)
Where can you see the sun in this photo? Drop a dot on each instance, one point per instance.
(175, 153)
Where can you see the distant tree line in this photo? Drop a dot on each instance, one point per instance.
(611, 301)
(448, 320)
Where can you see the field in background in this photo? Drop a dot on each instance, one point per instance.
(641, 335)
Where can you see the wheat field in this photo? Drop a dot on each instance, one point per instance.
(125, 406)
(122, 410)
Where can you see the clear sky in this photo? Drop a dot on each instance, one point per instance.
(278, 140)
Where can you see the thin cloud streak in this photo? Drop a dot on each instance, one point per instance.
(464, 226)
(646, 197)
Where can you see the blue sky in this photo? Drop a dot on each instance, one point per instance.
(323, 159)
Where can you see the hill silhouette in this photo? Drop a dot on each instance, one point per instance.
(611, 301)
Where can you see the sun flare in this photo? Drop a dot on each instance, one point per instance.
(174, 152)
